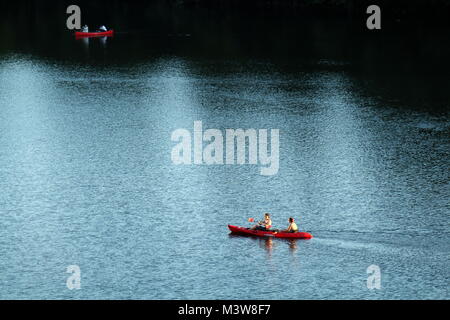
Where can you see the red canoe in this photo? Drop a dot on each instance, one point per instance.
(108, 33)
(259, 233)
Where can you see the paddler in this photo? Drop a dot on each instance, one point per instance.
(264, 225)
(292, 226)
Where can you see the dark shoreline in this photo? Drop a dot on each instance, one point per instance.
(276, 31)
(414, 13)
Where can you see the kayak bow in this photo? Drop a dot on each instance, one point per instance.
(260, 233)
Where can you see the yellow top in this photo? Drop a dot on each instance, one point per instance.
(293, 226)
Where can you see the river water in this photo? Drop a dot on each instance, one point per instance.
(87, 177)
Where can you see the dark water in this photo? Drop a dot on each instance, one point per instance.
(87, 178)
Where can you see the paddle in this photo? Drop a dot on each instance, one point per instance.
(253, 220)
(260, 222)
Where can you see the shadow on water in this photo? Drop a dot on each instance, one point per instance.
(269, 243)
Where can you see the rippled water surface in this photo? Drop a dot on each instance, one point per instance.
(87, 178)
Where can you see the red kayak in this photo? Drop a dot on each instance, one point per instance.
(259, 233)
(108, 33)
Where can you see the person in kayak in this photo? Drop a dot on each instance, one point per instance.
(102, 29)
(292, 226)
(85, 28)
(264, 225)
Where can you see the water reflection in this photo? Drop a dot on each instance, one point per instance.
(292, 245)
(103, 41)
(86, 42)
(268, 243)
(86, 173)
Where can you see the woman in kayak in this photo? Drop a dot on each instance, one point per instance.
(264, 225)
(292, 226)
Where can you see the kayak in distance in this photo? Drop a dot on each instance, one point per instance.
(260, 233)
(108, 33)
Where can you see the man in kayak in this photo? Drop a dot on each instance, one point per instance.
(264, 225)
(292, 226)
(85, 28)
(102, 29)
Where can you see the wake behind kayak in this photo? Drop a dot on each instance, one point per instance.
(260, 233)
